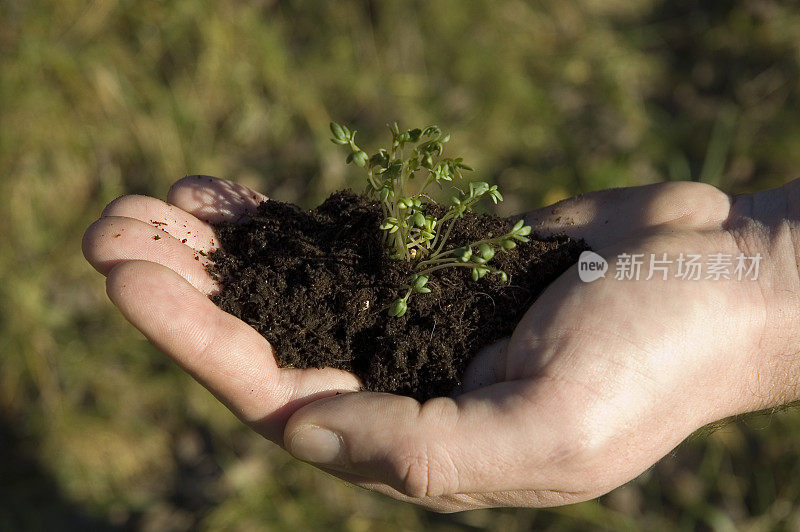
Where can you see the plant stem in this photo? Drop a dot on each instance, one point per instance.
(426, 271)
(435, 260)
(446, 236)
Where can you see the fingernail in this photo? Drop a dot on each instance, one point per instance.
(312, 443)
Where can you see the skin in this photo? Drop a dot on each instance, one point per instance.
(598, 381)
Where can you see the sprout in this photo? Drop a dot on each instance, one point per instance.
(410, 233)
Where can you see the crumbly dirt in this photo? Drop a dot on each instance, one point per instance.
(317, 284)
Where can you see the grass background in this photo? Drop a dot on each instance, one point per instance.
(546, 99)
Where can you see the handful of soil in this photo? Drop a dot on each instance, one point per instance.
(317, 284)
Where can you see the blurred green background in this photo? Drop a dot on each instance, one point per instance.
(546, 98)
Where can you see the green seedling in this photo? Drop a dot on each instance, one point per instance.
(409, 233)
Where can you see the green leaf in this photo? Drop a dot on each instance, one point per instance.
(338, 133)
(464, 254)
(478, 188)
(380, 159)
(479, 272)
(517, 226)
(390, 224)
(419, 282)
(431, 131)
(414, 135)
(393, 170)
(494, 193)
(398, 308)
(360, 158)
(419, 219)
(508, 244)
(486, 251)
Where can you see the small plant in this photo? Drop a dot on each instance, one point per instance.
(410, 233)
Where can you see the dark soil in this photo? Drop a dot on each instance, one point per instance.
(317, 285)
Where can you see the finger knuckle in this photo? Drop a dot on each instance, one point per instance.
(414, 469)
(425, 467)
(692, 203)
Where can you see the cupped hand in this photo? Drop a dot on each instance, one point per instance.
(598, 381)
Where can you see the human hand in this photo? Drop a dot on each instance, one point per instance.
(153, 254)
(597, 383)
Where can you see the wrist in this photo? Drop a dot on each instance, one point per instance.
(768, 223)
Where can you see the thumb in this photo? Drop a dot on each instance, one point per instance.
(486, 440)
